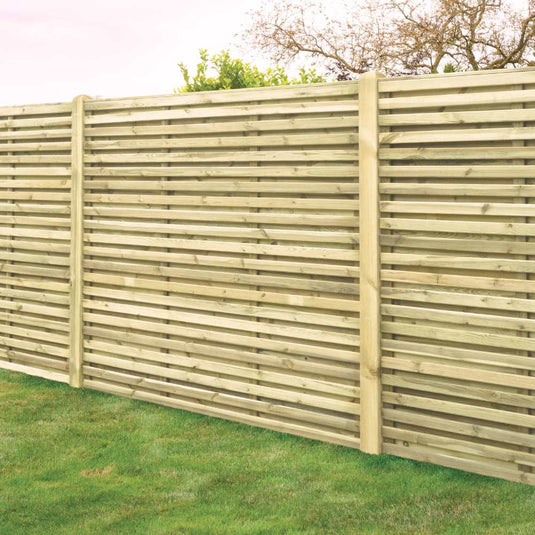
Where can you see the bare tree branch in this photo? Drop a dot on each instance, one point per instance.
(397, 36)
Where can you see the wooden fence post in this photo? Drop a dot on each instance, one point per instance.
(370, 281)
(77, 236)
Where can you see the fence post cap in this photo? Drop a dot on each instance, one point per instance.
(372, 74)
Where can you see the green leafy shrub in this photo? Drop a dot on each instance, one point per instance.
(221, 71)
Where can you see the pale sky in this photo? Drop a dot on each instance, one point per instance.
(53, 50)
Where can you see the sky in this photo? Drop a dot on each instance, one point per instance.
(53, 50)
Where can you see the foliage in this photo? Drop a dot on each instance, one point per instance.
(397, 36)
(221, 71)
(76, 461)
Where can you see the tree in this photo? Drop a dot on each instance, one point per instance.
(397, 36)
(233, 73)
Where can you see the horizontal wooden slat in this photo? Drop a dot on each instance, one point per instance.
(348, 106)
(289, 138)
(464, 99)
(291, 314)
(226, 246)
(210, 260)
(197, 319)
(316, 171)
(222, 186)
(219, 97)
(457, 81)
(459, 190)
(326, 353)
(212, 290)
(105, 340)
(457, 117)
(275, 218)
(222, 201)
(458, 171)
(231, 385)
(458, 135)
(327, 155)
(274, 424)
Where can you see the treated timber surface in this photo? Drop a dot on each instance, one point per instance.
(205, 251)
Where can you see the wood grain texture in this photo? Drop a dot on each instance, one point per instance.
(221, 253)
(77, 235)
(370, 281)
(457, 266)
(244, 253)
(35, 237)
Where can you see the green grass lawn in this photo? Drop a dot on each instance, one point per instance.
(78, 461)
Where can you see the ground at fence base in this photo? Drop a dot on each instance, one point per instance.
(85, 462)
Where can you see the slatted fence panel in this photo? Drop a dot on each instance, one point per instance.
(457, 166)
(221, 256)
(35, 146)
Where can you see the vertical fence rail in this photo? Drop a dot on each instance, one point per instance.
(77, 240)
(370, 325)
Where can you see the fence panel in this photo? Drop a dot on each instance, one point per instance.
(35, 147)
(457, 192)
(220, 257)
(202, 251)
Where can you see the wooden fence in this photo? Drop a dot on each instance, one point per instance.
(204, 251)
